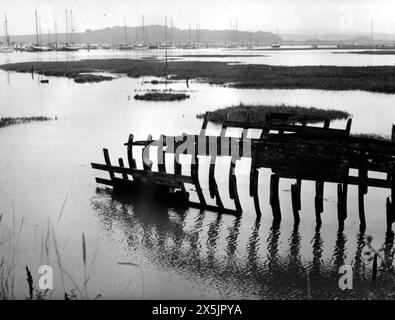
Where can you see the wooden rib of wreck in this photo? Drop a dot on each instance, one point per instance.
(295, 151)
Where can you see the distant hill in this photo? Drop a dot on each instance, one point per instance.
(338, 38)
(156, 33)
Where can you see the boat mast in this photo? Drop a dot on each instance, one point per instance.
(126, 32)
(166, 42)
(39, 29)
(166, 30)
(6, 30)
(56, 36)
(72, 27)
(171, 30)
(237, 32)
(232, 33)
(189, 37)
(38, 42)
(142, 20)
(67, 28)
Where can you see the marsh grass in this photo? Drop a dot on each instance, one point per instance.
(161, 96)
(374, 79)
(10, 121)
(258, 113)
(372, 136)
(385, 255)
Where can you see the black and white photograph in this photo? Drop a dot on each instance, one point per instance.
(207, 150)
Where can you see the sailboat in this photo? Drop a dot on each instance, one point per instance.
(126, 45)
(165, 45)
(37, 47)
(141, 45)
(276, 44)
(234, 32)
(6, 48)
(69, 46)
(189, 45)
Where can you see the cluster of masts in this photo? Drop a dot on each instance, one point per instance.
(141, 42)
(168, 42)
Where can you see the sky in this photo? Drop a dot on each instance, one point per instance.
(288, 16)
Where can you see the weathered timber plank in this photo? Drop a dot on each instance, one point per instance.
(108, 162)
(233, 192)
(274, 198)
(124, 175)
(147, 163)
(254, 174)
(105, 181)
(143, 173)
(131, 160)
(195, 175)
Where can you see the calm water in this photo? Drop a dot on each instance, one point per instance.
(267, 56)
(182, 252)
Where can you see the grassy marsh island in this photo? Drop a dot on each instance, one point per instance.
(220, 55)
(378, 52)
(259, 112)
(9, 121)
(373, 79)
(161, 96)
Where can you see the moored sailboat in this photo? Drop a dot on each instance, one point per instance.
(6, 48)
(37, 47)
(126, 45)
(141, 45)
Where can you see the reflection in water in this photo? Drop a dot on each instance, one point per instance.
(339, 254)
(208, 248)
(317, 253)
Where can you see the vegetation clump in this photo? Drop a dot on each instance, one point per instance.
(9, 121)
(258, 113)
(161, 96)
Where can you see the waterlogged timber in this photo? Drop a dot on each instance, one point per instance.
(9, 121)
(373, 79)
(259, 113)
(304, 153)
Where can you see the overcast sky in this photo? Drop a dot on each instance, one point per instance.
(289, 16)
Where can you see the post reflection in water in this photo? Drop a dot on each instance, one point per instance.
(207, 248)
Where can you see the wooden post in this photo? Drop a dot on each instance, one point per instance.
(374, 269)
(392, 194)
(131, 160)
(177, 164)
(233, 186)
(205, 121)
(195, 173)
(124, 175)
(147, 163)
(393, 134)
(362, 190)
(296, 203)
(389, 216)
(274, 198)
(348, 127)
(213, 187)
(327, 123)
(108, 163)
(319, 201)
(342, 203)
(254, 174)
(161, 154)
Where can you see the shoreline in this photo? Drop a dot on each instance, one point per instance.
(252, 76)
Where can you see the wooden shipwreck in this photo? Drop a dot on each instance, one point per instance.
(287, 144)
